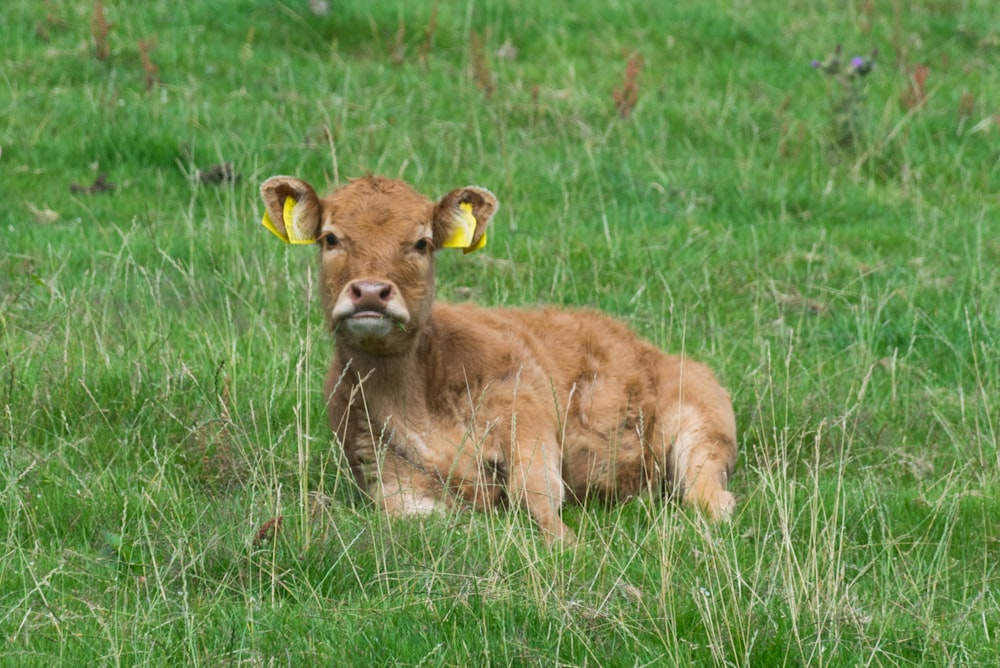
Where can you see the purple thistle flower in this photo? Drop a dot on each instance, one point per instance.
(815, 64)
(857, 62)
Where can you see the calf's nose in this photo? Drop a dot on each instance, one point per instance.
(371, 295)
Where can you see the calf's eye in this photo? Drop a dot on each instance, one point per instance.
(330, 240)
(423, 245)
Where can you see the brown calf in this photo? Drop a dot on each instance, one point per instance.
(435, 403)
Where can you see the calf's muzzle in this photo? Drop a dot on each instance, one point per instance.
(370, 295)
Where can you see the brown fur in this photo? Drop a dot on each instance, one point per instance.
(437, 403)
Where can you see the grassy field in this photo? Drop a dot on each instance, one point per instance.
(828, 243)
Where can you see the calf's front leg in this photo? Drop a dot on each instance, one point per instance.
(535, 480)
(402, 488)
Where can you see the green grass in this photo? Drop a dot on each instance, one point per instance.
(161, 355)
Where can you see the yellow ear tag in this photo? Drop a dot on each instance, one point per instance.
(464, 231)
(269, 224)
(294, 234)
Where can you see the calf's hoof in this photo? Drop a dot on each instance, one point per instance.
(560, 536)
(718, 504)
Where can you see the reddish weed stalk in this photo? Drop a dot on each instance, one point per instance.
(966, 106)
(99, 29)
(152, 71)
(481, 71)
(915, 95)
(425, 48)
(268, 530)
(397, 46)
(627, 95)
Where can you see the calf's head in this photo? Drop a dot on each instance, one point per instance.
(377, 238)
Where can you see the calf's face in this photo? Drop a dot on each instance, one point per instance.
(377, 239)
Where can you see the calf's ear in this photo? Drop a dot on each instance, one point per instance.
(291, 209)
(461, 218)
